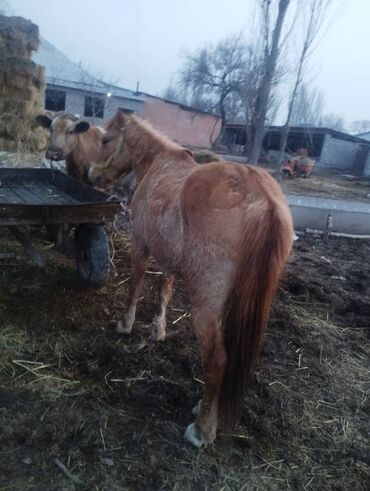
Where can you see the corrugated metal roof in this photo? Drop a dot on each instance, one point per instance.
(62, 71)
(307, 130)
(365, 135)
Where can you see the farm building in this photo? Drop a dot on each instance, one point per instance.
(184, 124)
(333, 150)
(70, 88)
(364, 136)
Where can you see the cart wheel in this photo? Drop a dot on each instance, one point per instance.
(92, 254)
(59, 235)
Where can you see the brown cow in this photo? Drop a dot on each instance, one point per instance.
(73, 140)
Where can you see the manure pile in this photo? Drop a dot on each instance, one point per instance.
(21, 86)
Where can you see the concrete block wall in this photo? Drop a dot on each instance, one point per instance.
(367, 167)
(75, 104)
(347, 217)
(337, 154)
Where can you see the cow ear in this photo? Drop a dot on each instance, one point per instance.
(43, 121)
(120, 118)
(81, 127)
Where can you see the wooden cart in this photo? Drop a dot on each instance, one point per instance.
(59, 204)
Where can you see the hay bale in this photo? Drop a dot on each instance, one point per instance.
(25, 93)
(20, 78)
(22, 132)
(23, 67)
(31, 140)
(10, 107)
(10, 127)
(22, 84)
(18, 36)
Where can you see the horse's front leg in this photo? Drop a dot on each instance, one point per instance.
(214, 359)
(159, 322)
(139, 263)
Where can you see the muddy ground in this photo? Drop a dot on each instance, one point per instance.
(84, 408)
(333, 186)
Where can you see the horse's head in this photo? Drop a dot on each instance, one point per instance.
(64, 128)
(113, 161)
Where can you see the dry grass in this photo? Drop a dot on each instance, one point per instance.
(18, 37)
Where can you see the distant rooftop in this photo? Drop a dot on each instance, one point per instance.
(309, 129)
(62, 71)
(185, 107)
(365, 135)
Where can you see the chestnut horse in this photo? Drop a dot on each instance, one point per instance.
(226, 229)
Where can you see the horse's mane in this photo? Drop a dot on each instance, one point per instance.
(149, 130)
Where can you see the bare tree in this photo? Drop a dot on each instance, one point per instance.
(307, 107)
(5, 8)
(213, 74)
(99, 93)
(250, 94)
(271, 35)
(314, 17)
(333, 121)
(170, 93)
(360, 126)
(175, 94)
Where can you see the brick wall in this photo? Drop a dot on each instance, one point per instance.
(337, 154)
(114, 103)
(184, 126)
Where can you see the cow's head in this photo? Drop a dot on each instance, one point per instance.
(64, 128)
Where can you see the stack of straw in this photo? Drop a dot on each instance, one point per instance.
(21, 86)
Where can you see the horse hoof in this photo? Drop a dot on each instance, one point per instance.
(155, 338)
(159, 330)
(121, 329)
(196, 408)
(193, 436)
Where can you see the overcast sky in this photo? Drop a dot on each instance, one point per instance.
(142, 40)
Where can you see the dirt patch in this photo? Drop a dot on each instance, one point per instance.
(113, 409)
(319, 185)
(334, 187)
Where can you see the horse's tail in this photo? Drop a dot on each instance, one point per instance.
(266, 243)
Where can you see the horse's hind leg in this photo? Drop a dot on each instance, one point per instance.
(159, 322)
(214, 358)
(138, 265)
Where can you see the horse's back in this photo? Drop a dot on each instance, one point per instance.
(224, 195)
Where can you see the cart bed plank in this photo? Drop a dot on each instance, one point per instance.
(45, 196)
(33, 193)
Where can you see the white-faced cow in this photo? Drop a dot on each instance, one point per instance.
(73, 140)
